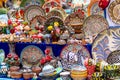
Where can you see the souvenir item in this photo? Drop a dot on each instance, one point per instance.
(2, 55)
(3, 68)
(106, 42)
(73, 55)
(48, 5)
(98, 75)
(111, 71)
(16, 75)
(26, 76)
(49, 72)
(114, 11)
(93, 8)
(3, 20)
(94, 24)
(26, 3)
(30, 56)
(75, 20)
(37, 22)
(65, 75)
(114, 58)
(58, 11)
(79, 73)
(32, 11)
(36, 70)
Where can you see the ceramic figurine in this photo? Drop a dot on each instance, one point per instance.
(35, 76)
(8, 75)
(4, 68)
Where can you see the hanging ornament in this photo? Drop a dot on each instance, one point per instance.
(104, 3)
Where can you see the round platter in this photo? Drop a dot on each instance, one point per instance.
(114, 11)
(106, 42)
(93, 8)
(38, 20)
(94, 24)
(30, 56)
(32, 11)
(75, 20)
(73, 55)
(2, 55)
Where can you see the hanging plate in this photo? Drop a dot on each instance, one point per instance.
(2, 55)
(93, 8)
(72, 55)
(75, 20)
(33, 11)
(31, 55)
(94, 24)
(106, 42)
(114, 11)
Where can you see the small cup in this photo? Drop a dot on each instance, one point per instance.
(65, 75)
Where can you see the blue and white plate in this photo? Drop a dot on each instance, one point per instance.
(105, 43)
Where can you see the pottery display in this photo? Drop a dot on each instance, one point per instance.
(36, 70)
(16, 75)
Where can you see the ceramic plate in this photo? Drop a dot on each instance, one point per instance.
(32, 11)
(94, 24)
(38, 20)
(72, 55)
(2, 55)
(93, 8)
(114, 11)
(58, 11)
(106, 42)
(26, 3)
(75, 20)
(31, 55)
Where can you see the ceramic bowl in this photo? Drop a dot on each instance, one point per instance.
(16, 75)
(36, 70)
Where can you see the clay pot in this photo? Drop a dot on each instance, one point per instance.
(14, 68)
(26, 76)
(16, 75)
(36, 70)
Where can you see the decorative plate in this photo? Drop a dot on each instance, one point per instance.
(58, 11)
(50, 20)
(94, 24)
(48, 5)
(106, 42)
(38, 20)
(114, 57)
(2, 55)
(32, 11)
(31, 55)
(72, 55)
(93, 8)
(75, 20)
(26, 3)
(114, 11)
